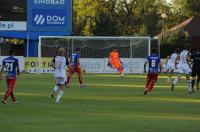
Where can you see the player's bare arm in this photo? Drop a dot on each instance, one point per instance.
(160, 67)
(168, 57)
(1, 71)
(188, 60)
(177, 60)
(121, 62)
(110, 58)
(70, 60)
(145, 64)
(53, 63)
(109, 62)
(78, 62)
(18, 70)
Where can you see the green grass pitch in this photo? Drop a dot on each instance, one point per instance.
(108, 103)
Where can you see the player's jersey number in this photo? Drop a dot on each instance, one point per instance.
(9, 67)
(74, 59)
(153, 63)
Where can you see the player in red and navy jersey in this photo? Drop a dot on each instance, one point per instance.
(154, 67)
(75, 65)
(11, 66)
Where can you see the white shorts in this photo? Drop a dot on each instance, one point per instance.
(184, 68)
(170, 66)
(60, 80)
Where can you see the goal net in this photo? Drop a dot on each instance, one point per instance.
(94, 51)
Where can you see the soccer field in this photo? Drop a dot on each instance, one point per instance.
(108, 103)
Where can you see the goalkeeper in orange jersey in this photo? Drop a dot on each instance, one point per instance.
(115, 62)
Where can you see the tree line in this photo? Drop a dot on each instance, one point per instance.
(129, 17)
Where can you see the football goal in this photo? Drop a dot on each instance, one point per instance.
(94, 51)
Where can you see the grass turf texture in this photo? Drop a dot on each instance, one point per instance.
(108, 103)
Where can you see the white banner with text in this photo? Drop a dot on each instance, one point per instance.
(13, 25)
(134, 65)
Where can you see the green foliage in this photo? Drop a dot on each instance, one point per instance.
(116, 17)
(180, 11)
(105, 25)
(169, 44)
(194, 5)
(129, 17)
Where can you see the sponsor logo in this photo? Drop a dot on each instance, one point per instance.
(55, 19)
(40, 19)
(49, 2)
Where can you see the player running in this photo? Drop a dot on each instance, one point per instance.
(115, 62)
(171, 64)
(154, 67)
(59, 63)
(11, 66)
(195, 57)
(184, 68)
(75, 64)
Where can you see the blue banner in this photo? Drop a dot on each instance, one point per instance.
(50, 15)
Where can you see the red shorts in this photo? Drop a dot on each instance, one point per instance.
(152, 77)
(76, 69)
(11, 82)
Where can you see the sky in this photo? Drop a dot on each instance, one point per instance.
(168, 0)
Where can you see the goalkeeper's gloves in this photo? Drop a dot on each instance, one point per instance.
(121, 62)
(109, 64)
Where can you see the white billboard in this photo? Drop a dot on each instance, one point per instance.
(134, 65)
(90, 65)
(13, 25)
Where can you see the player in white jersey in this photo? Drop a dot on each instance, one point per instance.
(184, 68)
(59, 63)
(171, 63)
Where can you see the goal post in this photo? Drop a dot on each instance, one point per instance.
(94, 51)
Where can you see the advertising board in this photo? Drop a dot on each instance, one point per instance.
(50, 15)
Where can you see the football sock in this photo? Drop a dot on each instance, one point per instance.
(189, 86)
(56, 88)
(176, 80)
(60, 93)
(122, 75)
(145, 92)
(169, 79)
(193, 83)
